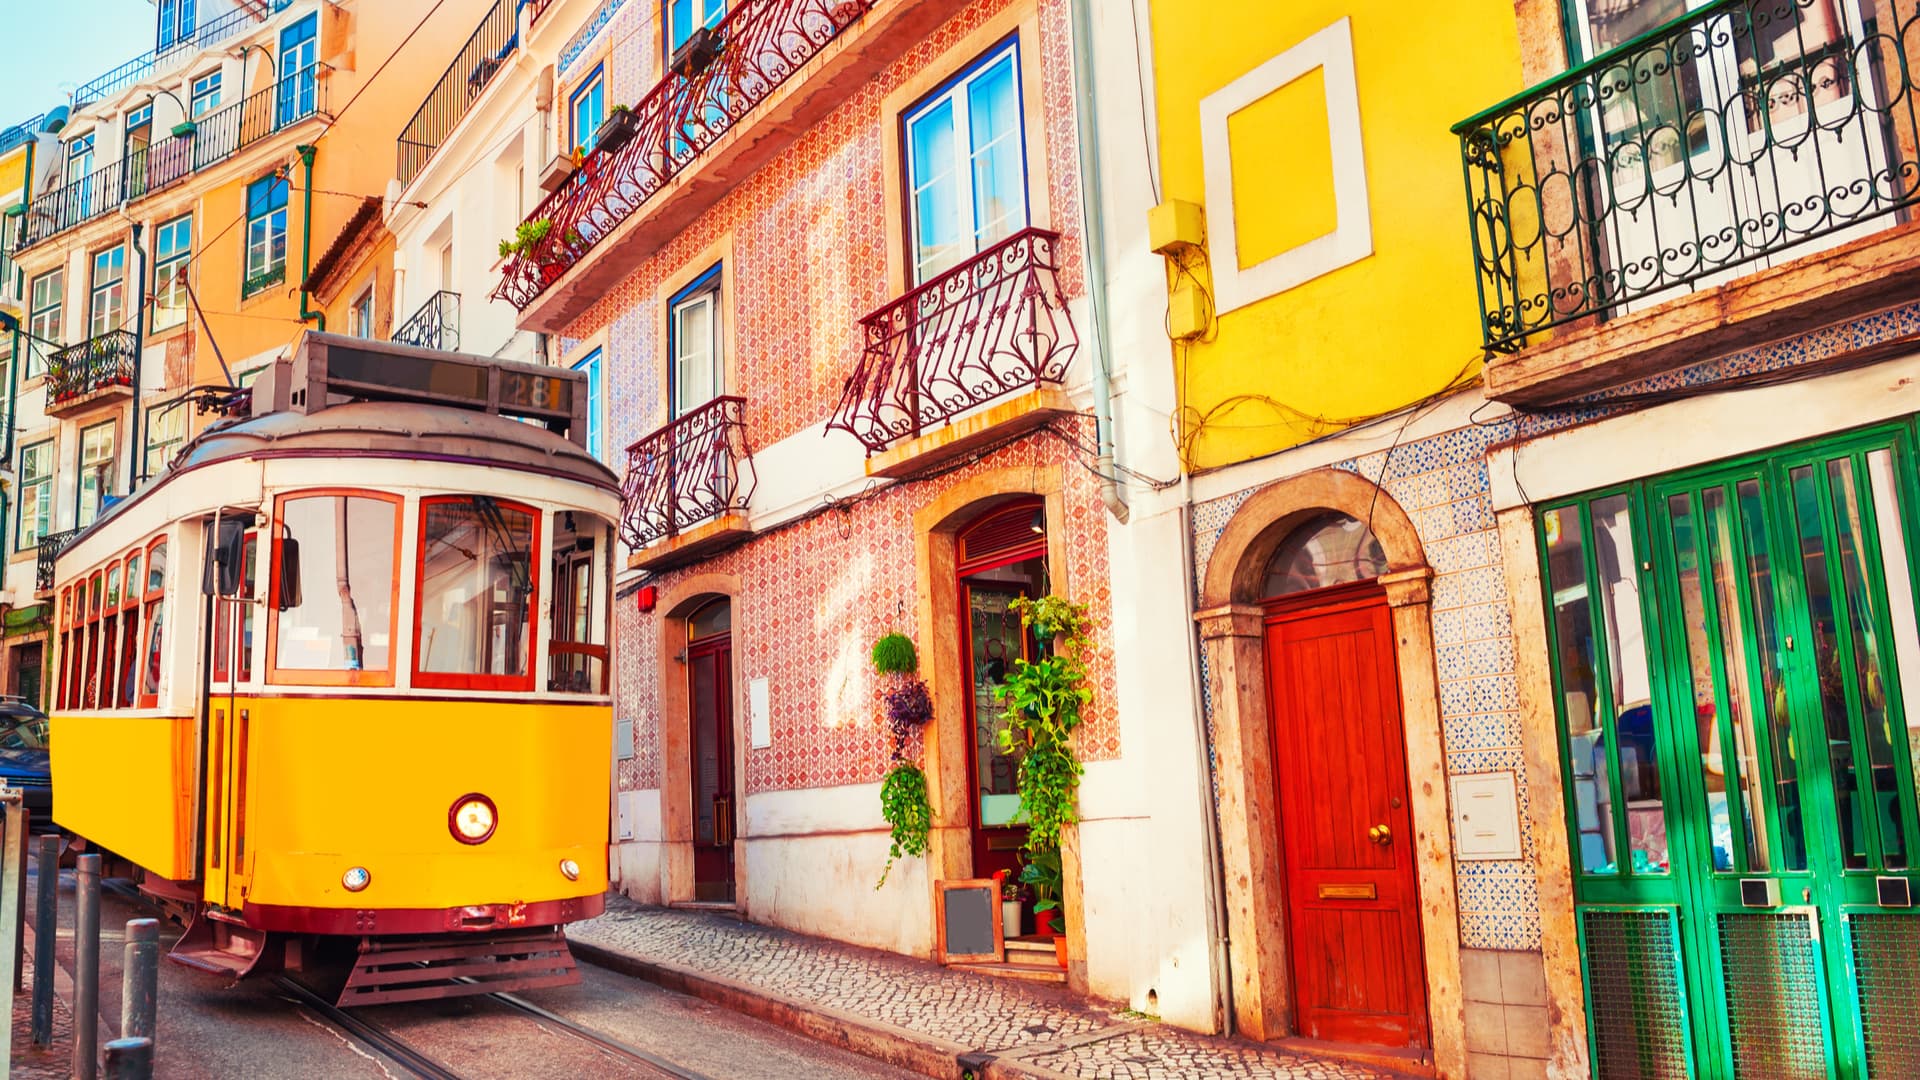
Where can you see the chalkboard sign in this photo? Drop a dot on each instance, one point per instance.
(967, 919)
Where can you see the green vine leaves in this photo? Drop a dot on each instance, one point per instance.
(903, 801)
(1044, 702)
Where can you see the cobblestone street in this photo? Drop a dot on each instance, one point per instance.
(1029, 1029)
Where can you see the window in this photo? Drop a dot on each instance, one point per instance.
(106, 310)
(205, 94)
(360, 315)
(155, 623)
(446, 267)
(226, 643)
(1328, 550)
(298, 44)
(476, 593)
(139, 130)
(266, 234)
(596, 406)
(79, 158)
(967, 164)
(172, 247)
(587, 107)
(176, 23)
(130, 635)
(337, 626)
(699, 364)
(576, 645)
(49, 290)
(96, 471)
(36, 493)
(686, 16)
(166, 431)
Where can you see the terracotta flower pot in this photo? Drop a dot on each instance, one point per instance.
(1060, 950)
(1043, 922)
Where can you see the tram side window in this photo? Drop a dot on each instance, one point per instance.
(227, 644)
(341, 616)
(155, 600)
(577, 645)
(477, 596)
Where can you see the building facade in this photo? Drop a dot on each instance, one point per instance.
(1560, 700)
(173, 211)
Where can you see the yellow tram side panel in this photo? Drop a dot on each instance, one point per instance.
(334, 783)
(125, 782)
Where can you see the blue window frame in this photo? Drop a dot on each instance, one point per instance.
(596, 405)
(966, 161)
(685, 16)
(266, 234)
(176, 23)
(299, 46)
(586, 107)
(697, 362)
(205, 94)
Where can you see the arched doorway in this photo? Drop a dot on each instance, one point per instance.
(1000, 557)
(709, 659)
(1340, 775)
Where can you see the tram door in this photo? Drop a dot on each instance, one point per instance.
(230, 724)
(710, 707)
(1792, 649)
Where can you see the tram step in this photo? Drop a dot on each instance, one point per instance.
(422, 968)
(219, 947)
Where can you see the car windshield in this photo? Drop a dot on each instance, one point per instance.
(23, 733)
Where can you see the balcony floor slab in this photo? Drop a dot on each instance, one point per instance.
(1005, 420)
(703, 541)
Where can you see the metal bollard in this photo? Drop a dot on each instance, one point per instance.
(130, 1059)
(86, 968)
(140, 980)
(20, 909)
(46, 922)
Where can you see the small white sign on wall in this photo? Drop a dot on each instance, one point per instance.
(1486, 817)
(759, 725)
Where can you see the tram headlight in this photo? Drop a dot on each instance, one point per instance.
(356, 878)
(569, 869)
(472, 819)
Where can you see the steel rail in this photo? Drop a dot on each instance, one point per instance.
(377, 1039)
(600, 1041)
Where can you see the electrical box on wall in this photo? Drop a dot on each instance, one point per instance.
(1176, 226)
(1486, 817)
(1187, 313)
(759, 718)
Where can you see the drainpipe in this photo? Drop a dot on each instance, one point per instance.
(136, 464)
(1096, 244)
(318, 318)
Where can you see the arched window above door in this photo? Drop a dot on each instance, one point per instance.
(1325, 550)
(711, 619)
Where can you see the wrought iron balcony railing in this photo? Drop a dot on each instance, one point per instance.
(688, 472)
(158, 62)
(436, 325)
(95, 364)
(755, 48)
(20, 133)
(991, 326)
(216, 137)
(1687, 154)
(50, 547)
(473, 67)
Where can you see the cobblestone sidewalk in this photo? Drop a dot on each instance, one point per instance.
(1029, 1028)
(40, 1062)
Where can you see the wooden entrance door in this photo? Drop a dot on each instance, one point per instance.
(1353, 913)
(710, 694)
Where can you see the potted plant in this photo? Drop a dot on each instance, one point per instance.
(1042, 876)
(908, 706)
(526, 236)
(615, 131)
(1009, 904)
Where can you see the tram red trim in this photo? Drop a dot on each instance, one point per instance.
(471, 919)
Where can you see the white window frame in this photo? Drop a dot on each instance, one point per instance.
(170, 272)
(360, 314)
(166, 431)
(44, 320)
(36, 493)
(589, 365)
(593, 87)
(107, 300)
(704, 292)
(953, 94)
(93, 479)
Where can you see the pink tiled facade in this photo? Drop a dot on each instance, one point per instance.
(808, 260)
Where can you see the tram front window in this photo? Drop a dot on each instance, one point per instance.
(476, 587)
(341, 616)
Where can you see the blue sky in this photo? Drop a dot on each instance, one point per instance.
(55, 45)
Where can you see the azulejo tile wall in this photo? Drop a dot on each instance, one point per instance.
(815, 595)
(808, 240)
(1443, 485)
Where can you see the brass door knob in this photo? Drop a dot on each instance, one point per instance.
(1381, 835)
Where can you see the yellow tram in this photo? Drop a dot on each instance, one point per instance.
(340, 675)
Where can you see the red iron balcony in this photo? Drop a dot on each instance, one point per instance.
(986, 329)
(687, 486)
(710, 90)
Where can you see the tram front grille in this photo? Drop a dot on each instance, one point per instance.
(1886, 961)
(1634, 995)
(1770, 967)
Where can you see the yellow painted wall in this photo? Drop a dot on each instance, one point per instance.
(1387, 330)
(13, 174)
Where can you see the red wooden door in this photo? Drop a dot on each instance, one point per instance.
(710, 686)
(1346, 833)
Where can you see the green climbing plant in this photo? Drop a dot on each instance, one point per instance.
(1045, 700)
(903, 800)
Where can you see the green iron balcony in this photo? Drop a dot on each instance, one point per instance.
(1710, 148)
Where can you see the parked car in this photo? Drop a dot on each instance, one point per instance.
(23, 756)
